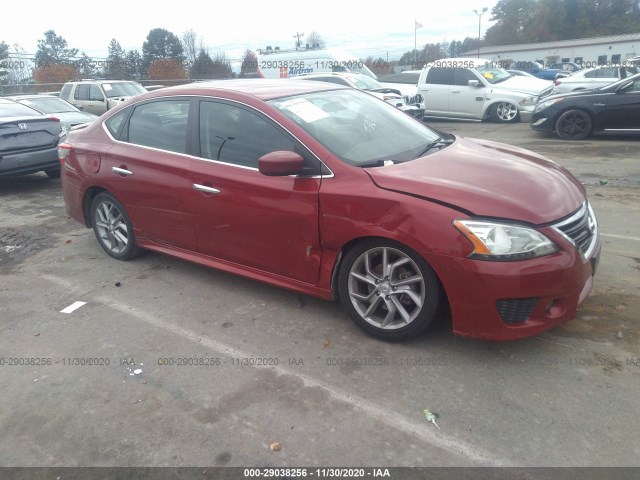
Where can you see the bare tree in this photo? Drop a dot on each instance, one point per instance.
(315, 41)
(190, 45)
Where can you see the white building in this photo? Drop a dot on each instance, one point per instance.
(587, 51)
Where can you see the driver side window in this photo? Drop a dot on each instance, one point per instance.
(232, 134)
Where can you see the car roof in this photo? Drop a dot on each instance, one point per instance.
(264, 89)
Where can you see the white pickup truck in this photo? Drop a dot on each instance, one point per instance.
(477, 89)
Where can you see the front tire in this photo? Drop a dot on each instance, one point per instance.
(574, 125)
(388, 290)
(504, 112)
(112, 227)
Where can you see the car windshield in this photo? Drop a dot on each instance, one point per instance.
(49, 105)
(123, 89)
(358, 128)
(493, 74)
(13, 109)
(365, 83)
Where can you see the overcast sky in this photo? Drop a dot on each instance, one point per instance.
(232, 26)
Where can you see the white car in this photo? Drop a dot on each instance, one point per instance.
(368, 84)
(406, 82)
(478, 89)
(591, 78)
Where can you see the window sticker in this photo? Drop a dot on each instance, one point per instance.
(107, 87)
(304, 109)
(488, 75)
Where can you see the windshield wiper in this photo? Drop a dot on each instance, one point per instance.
(376, 163)
(440, 143)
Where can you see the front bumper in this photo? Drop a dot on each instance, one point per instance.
(413, 110)
(487, 296)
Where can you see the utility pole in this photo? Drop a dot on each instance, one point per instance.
(484, 9)
(297, 36)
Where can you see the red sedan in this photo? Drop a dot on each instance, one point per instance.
(331, 192)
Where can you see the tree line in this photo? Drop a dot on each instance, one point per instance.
(532, 21)
(164, 56)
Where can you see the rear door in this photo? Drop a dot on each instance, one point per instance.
(435, 90)
(149, 170)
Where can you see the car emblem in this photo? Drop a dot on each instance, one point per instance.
(23, 126)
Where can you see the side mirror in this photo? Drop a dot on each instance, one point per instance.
(473, 83)
(280, 164)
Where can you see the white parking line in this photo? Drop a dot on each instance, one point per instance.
(73, 307)
(418, 428)
(611, 235)
(397, 421)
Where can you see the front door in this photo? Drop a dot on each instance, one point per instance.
(242, 216)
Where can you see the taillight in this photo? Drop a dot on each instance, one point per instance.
(64, 149)
(556, 82)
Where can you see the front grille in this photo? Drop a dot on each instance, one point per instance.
(516, 310)
(580, 229)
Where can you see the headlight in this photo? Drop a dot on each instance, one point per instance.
(547, 104)
(502, 241)
(529, 101)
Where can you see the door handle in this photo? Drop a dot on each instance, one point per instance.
(598, 104)
(455, 91)
(204, 188)
(121, 171)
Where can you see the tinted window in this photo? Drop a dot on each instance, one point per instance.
(462, 76)
(408, 78)
(440, 76)
(161, 124)
(114, 123)
(82, 92)
(66, 91)
(602, 73)
(95, 93)
(234, 135)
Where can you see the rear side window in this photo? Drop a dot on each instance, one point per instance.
(161, 124)
(66, 91)
(602, 73)
(234, 135)
(114, 123)
(440, 76)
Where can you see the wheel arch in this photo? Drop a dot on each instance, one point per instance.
(354, 242)
(89, 194)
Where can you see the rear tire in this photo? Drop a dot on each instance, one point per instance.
(112, 227)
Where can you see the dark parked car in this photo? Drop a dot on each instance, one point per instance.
(28, 140)
(328, 191)
(57, 107)
(610, 110)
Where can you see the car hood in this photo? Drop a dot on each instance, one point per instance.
(533, 86)
(488, 179)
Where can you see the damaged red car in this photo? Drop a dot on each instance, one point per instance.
(331, 192)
